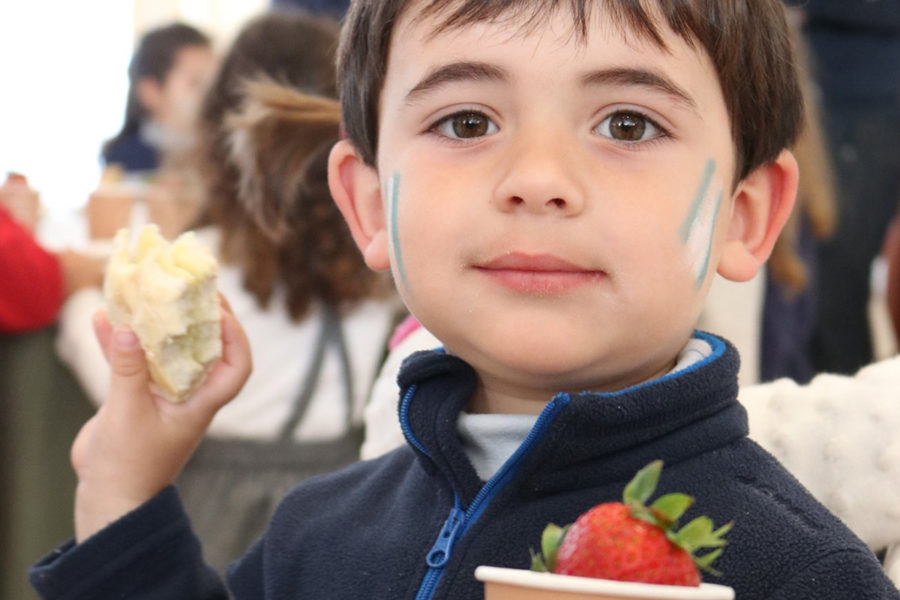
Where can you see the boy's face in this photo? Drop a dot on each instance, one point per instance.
(555, 208)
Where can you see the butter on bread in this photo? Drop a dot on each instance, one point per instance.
(166, 292)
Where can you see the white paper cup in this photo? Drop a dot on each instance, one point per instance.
(519, 584)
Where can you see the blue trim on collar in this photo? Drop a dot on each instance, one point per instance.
(718, 349)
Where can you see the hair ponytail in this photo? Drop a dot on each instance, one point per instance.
(279, 143)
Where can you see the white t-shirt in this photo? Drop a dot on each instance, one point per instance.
(282, 350)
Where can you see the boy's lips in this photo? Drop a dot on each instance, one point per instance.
(537, 273)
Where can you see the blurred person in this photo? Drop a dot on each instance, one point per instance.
(856, 58)
(35, 478)
(168, 75)
(789, 304)
(35, 280)
(316, 317)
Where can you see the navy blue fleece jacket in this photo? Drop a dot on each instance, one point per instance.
(416, 522)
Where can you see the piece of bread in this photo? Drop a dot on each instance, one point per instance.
(166, 293)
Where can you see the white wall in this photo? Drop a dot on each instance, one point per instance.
(219, 19)
(63, 82)
(63, 67)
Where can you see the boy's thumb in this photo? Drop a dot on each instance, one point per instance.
(126, 360)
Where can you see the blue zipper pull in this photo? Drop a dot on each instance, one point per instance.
(440, 552)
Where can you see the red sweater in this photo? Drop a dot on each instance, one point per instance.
(31, 280)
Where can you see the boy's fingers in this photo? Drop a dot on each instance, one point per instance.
(231, 372)
(225, 304)
(129, 377)
(103, 331)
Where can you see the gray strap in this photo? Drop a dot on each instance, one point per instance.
(346, 371)
(329, 332)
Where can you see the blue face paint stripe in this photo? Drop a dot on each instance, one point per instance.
(715, 217)
(395, 234)
(685, 230)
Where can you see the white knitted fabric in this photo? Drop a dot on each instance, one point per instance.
(839, 436)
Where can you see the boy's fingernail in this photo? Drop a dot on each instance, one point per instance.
(125, 339)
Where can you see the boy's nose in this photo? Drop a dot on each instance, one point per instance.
(540, 178)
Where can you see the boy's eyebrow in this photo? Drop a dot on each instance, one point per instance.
(458, 71)
(479, 71)
(639, 77)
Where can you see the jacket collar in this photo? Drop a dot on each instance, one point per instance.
(582, 438)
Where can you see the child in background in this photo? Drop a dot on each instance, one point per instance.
(35, 281)
(552, 188)
(168, 75)
(789, 307)
(317, 318)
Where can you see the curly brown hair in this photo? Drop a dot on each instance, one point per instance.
(281, 226)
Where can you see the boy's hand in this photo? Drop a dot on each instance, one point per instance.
(138, 442)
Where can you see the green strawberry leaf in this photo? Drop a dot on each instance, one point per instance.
(639, 489)
(669, 508)
(704, 562)
(691, 536)
(699, 534)
(639, 511)
(537, 562)
(551, 538)
(718, 533)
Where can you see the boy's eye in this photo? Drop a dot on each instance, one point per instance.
(465, 125)
(625, 126)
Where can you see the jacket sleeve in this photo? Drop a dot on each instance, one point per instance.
(31, 280)
(148, 554)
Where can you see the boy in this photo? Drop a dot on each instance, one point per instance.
(552, 188)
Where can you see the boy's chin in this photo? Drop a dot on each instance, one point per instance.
(550, 371)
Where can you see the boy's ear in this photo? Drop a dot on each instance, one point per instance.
(762, 203)
(356, 190)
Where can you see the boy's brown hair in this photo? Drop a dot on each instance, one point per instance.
(747, 40)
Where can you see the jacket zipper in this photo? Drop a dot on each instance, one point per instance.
(458, 522)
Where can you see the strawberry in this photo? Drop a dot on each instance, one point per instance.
(629, 541)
